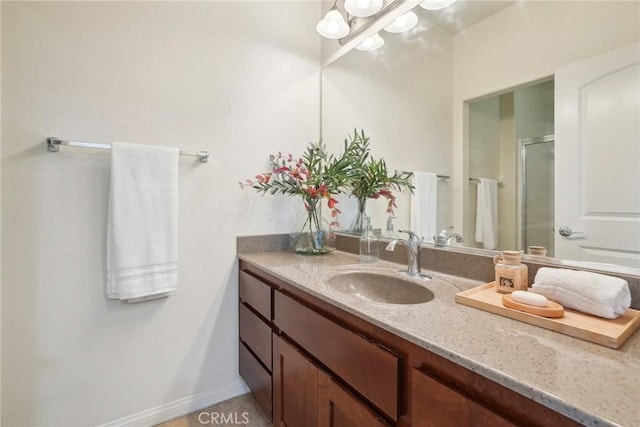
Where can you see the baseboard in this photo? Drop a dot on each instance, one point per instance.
(180, 407)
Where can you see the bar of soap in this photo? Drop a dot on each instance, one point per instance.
(530, 298)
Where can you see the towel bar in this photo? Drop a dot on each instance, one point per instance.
(500, 184)
(445, 177)
(53, 145)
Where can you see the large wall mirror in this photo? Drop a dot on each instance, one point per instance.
(536, 102)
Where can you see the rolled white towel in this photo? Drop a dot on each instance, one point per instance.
(592, 293)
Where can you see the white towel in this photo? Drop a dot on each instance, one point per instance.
(592, 293)
(424, 205)
(487, 213)
(142, 230)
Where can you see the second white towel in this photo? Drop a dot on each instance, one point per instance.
(487, 213)
(142, 232)
(424, 205)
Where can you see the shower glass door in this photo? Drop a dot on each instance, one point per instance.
(536, 193)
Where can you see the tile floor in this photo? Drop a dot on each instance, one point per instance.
(239, 411)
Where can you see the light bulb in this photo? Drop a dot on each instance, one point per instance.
(436, 4)
(333, 25)
(372, 43)
(362, 8)
(403, 23)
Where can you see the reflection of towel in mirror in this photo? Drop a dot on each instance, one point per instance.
(592, 293)
(142, 231)
(424, 205)
(487, 213)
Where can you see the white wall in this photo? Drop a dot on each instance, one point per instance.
(525, 43)
(240, 79)
(384, 93)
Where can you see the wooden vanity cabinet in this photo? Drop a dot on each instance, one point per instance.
(305, 395)
(367, 367)
(255, 327)
(332, 368)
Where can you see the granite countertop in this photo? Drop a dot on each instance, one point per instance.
(592, 384)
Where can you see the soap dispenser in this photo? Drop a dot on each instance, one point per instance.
(368, 243)
(511, 273)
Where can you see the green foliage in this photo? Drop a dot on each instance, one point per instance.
(369, 178)
(319, 174)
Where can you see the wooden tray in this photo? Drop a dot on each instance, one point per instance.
(610, 333)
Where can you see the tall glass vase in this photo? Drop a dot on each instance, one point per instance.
(316, 236)
(359, 223)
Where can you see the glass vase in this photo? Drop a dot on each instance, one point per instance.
(316, 236)
(359, 223)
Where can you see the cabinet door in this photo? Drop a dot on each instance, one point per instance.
(339, 408)
(295, 387)
(435, 404)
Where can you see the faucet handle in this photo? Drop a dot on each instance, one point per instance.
(445, 231)
(413, 237)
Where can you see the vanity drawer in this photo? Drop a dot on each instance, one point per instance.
(257, 294)
(370, 369)
(257, 378)
(256, 334)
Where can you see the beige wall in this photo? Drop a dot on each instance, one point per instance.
(525, 43)
(214, 76)
(492, 154)
(484, 126)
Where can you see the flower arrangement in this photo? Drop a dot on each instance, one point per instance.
(370, 179)
(316, 176)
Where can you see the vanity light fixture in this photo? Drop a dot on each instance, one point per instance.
(362, 8)
(436, 4)
(403, 23)
(372, 43)
(333, 25)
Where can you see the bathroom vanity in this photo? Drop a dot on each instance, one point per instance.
(316, 354)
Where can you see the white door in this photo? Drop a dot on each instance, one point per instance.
(597, 154)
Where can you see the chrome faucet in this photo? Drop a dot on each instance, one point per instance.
(444, 237)
(412, 245)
